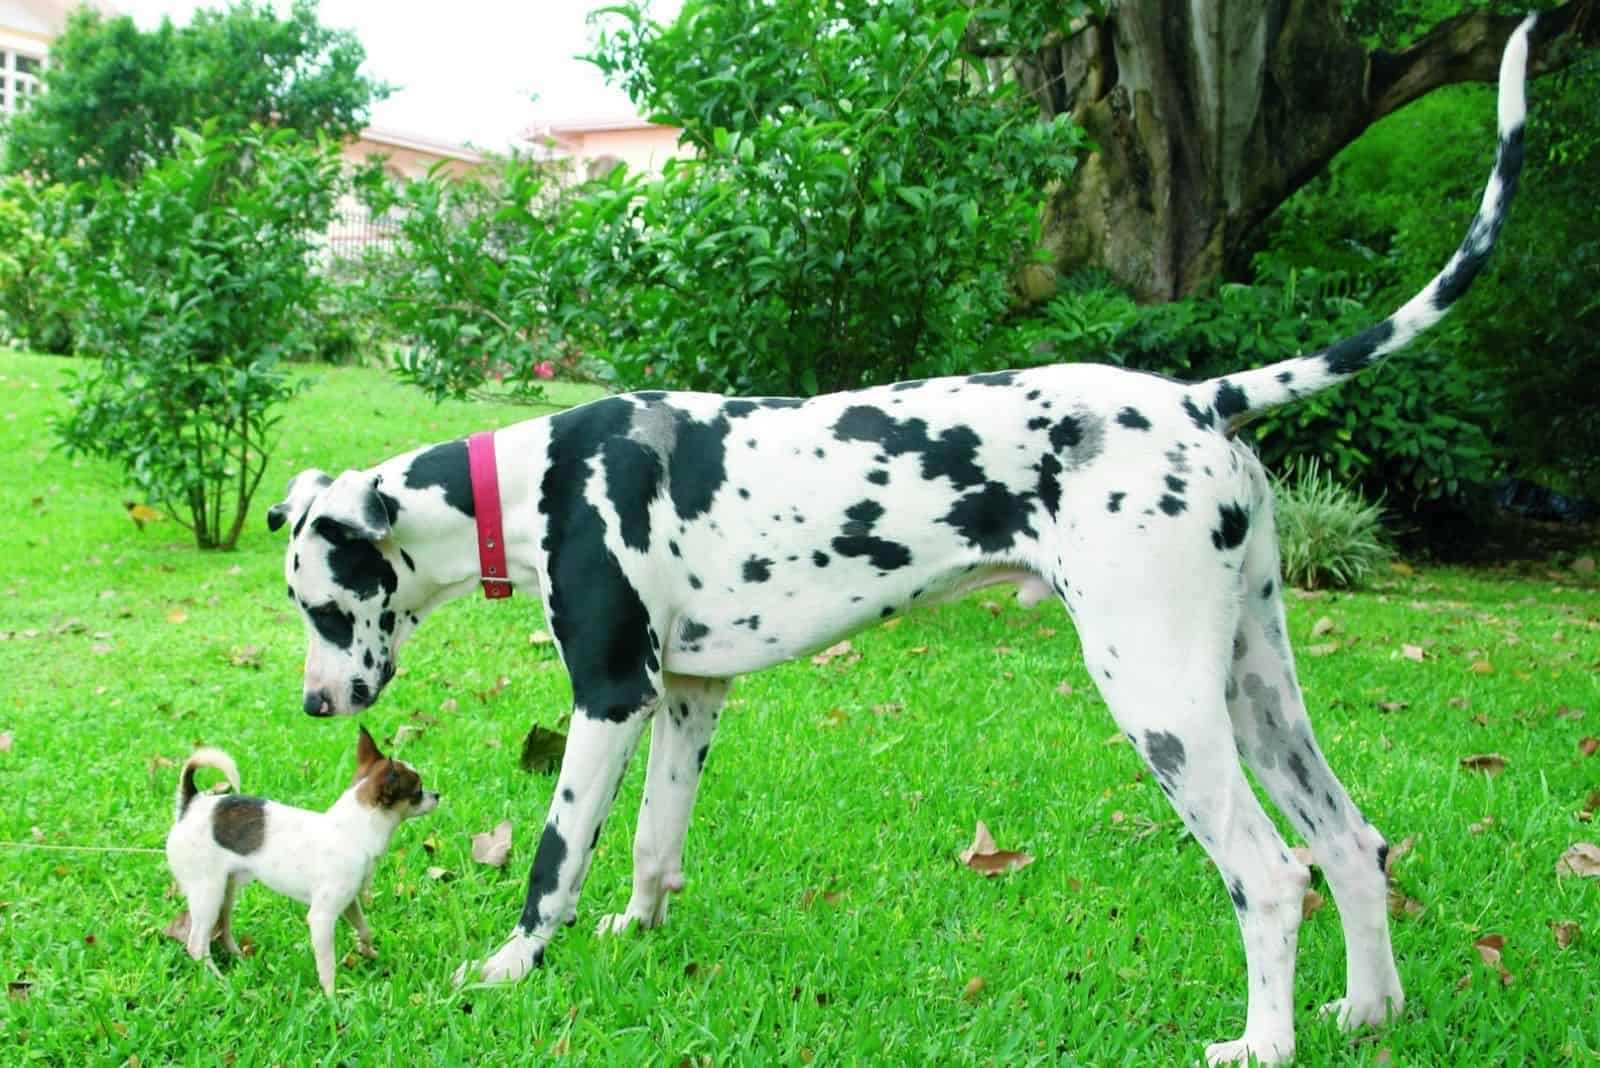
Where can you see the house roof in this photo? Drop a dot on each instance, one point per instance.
(569, 132)
(419, 143)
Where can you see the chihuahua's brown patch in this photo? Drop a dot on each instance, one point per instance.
(239, 824)
(389, 783)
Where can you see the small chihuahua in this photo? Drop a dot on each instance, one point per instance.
(321, 859)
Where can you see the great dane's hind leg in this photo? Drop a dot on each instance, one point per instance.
(597, 755)
(1275, 737)
(1162, 671)
(685, 718)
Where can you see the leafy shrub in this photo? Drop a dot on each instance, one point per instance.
(37, 236)
(1328, 535)
(190, 288)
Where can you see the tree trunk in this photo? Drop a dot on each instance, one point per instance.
(1207, 115)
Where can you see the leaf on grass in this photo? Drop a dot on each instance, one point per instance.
(1322, 649)
(1065, 688)
(494, 691)
(1581, 858)
(492, 847)
(1402, 904)
(1396, 851)
(988, 859)
(973, 988)
(1393, 706)
(6, 738)
(1413, 652)
(1325, 625)
(177, 615)
(178, 928)
(1588, 746)
(1489, 948)
(245, 656)
(18, 989)
(1479, 828)
(1566, 932)
(994, 607)
(540, 637)
(541, 750)
(439, 874)
(834, 652)
(1488, 763)
(1481, 667)
(1565, 712)
(828, 897)
(1311, 904)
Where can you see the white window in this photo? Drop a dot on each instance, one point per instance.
(19, 79)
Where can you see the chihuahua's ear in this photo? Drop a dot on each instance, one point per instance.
(302, 490)
(352, 507)
(366, 753)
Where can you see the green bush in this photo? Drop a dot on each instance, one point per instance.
(37, 236)
(1328, 535)
(190, 290)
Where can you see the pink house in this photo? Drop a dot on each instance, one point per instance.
(597, 145)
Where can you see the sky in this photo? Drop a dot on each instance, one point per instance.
(470, 71)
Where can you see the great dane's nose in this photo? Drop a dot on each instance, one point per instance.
(317, 704)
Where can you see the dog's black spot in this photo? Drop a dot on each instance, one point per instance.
(1049, 484)
(1066, 433)
(1132, 419)
(1114, 502)
(781, 402)
(1038, 422)
(878, 477)
(356, 564)
(1234, 525)
(444, 466)
(753, 622)
(1383, 860)
(598, 616)
(915, 383)
(696, 469)
(544, 878)
(386, 622)
(692, 631)
(1166, 755)
(993, 378)
(888, 610)
(1231, 400)
(1077, 439)
(300, 523)
(993, 518)
(856, 538)
(366, 659)
(819, 558)
(336, 626)
(1236, 891)
(1176, 484)
(1285, 377)
(239, 824)
(738, 409)
(757, 569)
(953, 455)
(1302, 774)
(694, 582)
(406, 558)
(1203, 418)
(700, 757)
(1172, 505)
(633, 479)
(1267, 589)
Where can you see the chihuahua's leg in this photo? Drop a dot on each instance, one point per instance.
(225, 920)
(358, 919)
(205, 903)
(680, 737)
(322, 917)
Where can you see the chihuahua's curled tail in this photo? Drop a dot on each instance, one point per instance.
(202, 758)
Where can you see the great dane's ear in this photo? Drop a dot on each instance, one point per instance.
(302, 490)
(354, 506)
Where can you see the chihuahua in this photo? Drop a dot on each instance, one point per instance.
(323, 860)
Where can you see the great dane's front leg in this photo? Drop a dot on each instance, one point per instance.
(685, 720)
(597, 754)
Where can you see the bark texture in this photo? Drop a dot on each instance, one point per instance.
(1208, 114)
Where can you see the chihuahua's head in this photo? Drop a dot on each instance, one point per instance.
(390, 786)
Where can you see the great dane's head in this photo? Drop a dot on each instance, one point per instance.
(346, 576)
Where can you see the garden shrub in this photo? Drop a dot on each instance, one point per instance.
(1328, 535)
(189, 291)
(37, 236)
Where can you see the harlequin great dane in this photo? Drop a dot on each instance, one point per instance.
(678, 540)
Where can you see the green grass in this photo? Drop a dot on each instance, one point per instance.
(826, 918)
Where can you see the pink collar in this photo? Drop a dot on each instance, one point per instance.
(486, 508)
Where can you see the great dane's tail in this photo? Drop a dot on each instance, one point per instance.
(1238, 396)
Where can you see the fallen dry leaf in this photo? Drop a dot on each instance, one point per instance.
(492, 847)
(1488, 763)
(828, 897)
(1065, 688)
(540, 637)
(1581, 858)
(18, 989)
(1325, 625)
(994, 607)
(1413, 652)
(1566, 932)
(973, 988)
(1402, 904)
(6, 739)
(1310, 904)
(1588, 746)
(177, 615)
(832, 652)
(1304, 855)
(987, 859)
(247, 656)
(437, 873)
(542, 749)
(1322, 649)
(1481, 667)
(1489, 951)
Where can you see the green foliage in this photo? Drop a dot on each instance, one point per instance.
(116, 96)
(469, 287)
(190, 288)
(36, 241)
(1327, 534)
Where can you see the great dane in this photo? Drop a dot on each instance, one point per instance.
(680, 539)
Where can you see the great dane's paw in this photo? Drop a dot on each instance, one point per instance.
(1352, 1014)
(615, 923)
(1249, 1050)
(520, 955)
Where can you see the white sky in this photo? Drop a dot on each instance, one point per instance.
(466, 71)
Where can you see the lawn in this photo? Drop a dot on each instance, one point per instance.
(827, 918)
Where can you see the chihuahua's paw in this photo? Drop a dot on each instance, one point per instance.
(366, 950)
(521, 954)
